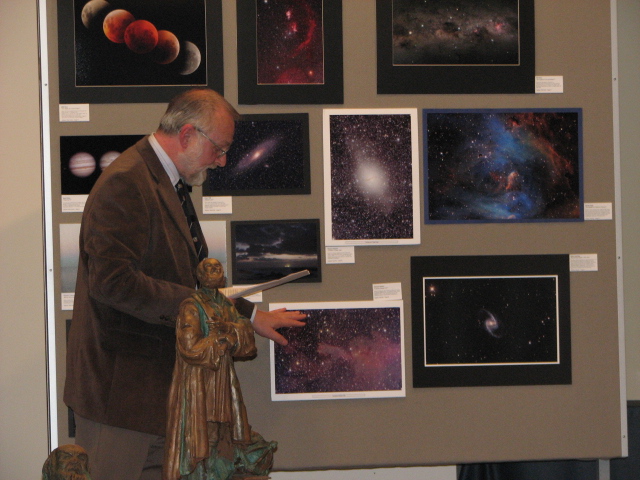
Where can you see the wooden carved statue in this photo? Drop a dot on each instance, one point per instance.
(67, 462)
(208, 435)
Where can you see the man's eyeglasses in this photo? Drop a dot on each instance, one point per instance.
(221, 151)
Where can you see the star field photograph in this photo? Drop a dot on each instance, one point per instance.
(269, 156)
(456, 32)
(124, 44)
(371, 177)
(508, 325)
(270, 249)
(289, 51)
(346, 350)
(503, 165)
(455, 46)
(290, 41)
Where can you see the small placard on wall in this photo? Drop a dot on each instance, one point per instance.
(598, 211)
(217, 205)
(337, 255)
(387, 291)
(583, 262)
(74, 112)
(550, 84)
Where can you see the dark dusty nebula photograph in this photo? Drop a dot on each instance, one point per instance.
(456, 32)
(269, 156)
(491, 320)
(137, 42)
(268, 250)
(503, 165)
(371, 170)
(290, 42)
(344, 348)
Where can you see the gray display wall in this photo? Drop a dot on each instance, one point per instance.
(430, 425)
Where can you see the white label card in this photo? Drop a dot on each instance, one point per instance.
(387, 291)
(583, 262)
(76, 112)
(337, 255)
(550, 84)
(217, 205)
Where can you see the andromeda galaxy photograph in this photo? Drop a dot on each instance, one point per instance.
(456, 32)
(269, 156)
(345, 350)
(135, 42)
(371, 168)
(503, 165)
(290, 42)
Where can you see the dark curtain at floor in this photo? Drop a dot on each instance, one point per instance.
(629, 468)
(551, 470)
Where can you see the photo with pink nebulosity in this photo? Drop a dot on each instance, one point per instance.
(342, 348)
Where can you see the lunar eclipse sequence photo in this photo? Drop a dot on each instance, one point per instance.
(136, 42)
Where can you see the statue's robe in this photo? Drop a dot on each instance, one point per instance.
(205, 392)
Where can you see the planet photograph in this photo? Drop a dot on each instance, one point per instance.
(136, 42)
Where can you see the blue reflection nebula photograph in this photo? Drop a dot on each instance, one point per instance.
(503, 165)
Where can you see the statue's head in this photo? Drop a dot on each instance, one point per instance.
(210, 273)
(67, 462)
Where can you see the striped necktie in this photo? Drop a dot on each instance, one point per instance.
(192, 220)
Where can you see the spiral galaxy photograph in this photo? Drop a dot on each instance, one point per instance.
(269, 156)
(345, 350)
(503, 165)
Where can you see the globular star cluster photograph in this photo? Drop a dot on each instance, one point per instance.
(290, 42)
(269, 156)
(136, 42)
(503, 165)
(268, 250)
(491, 320)
(371, 174)
(456, 32)
(342, 350)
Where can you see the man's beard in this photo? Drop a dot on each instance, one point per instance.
(196, 179)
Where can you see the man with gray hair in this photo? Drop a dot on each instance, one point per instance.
(138, 259)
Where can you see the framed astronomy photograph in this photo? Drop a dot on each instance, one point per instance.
(269, 156)
(265, 250)
(510, 165)
(290, 52)
(455, 46)
(82, 160)
(135, 51)
(371, 177)
(346, 350)
(491, 320)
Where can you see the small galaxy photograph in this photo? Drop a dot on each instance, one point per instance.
(269, 156)
(503, 165)
(345, 350)
(290, 42)
(371, 172)
(84, 157)
(268, 250)
(491, 320)
(456, 32)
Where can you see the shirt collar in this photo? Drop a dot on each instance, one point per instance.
(165, 160)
